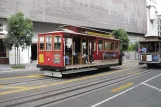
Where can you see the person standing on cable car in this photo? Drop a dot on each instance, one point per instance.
(91, 53)
(85, 53)
(66, 57)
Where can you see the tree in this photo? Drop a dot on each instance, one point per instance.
(122, 35)
(136, 47)
(19, 33)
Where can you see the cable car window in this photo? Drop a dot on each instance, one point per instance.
(94, 46)
(48, 43)
(106, 45)
(42, 43)
(156, 47)
(112, 46)
(116, 45)
(57, 42)
(100, 44)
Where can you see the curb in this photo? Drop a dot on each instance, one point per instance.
(130, 60)
(13, 70)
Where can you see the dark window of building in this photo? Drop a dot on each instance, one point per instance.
(1, 27)
(158, 28)
(2, 49)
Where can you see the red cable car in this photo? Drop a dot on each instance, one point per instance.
(73, 49)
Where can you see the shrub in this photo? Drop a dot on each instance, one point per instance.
(18, 66)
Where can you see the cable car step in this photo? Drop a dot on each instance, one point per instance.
(53, 74)
(78, 70)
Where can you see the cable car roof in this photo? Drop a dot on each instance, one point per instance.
(67, 31)
(151, 39)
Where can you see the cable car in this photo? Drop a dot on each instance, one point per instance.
(73, 49)
(150, 51)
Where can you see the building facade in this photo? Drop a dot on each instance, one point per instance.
(152, 24)
(159, 25)
(48, 15)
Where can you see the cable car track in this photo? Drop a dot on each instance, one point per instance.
(28, 81)
(95, 85)
(45, 79)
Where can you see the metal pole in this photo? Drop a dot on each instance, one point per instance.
(81, 51)
(72, 50)
(159, 48)
(28, 55)
(15, 55)
(88, 50)
(19, 56)
(97, 46)
(64, 50)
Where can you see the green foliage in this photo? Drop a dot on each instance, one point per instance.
(131, 47)
(18, 66)
(122, 35)
(134, 47)
(19, 31)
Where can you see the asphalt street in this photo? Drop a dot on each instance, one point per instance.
(129, 85)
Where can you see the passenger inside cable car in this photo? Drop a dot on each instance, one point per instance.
(78, 51)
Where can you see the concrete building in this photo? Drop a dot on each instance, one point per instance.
(151, 18)
(47, 15)
(159, 25)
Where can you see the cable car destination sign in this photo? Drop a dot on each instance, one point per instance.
(99, 34)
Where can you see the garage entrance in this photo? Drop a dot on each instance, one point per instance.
(34, 52)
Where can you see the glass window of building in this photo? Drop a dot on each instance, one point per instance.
(57, 42)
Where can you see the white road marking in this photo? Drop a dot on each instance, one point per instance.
(151, 86)
(95, 105)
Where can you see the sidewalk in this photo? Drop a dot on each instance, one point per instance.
(33, 66)
(130, 60)
(30, 66)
